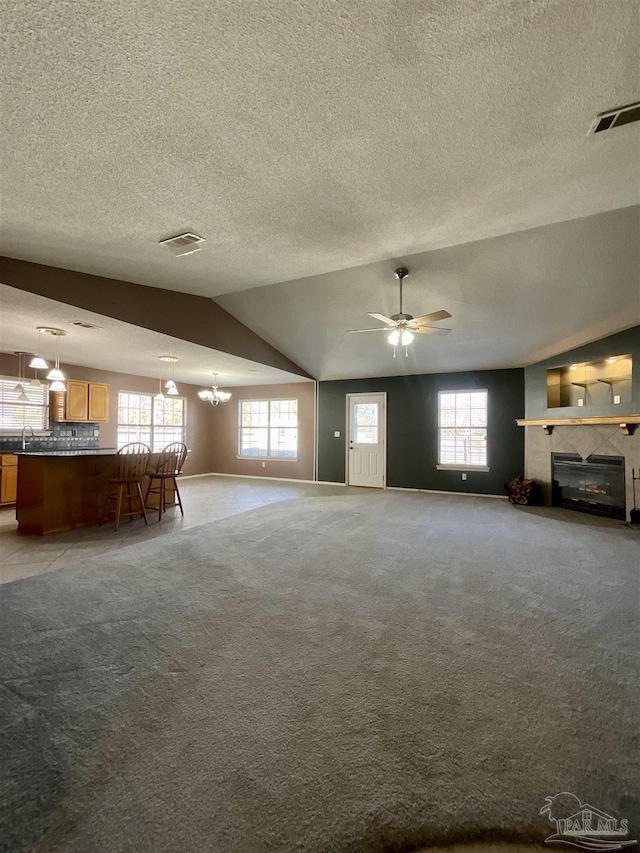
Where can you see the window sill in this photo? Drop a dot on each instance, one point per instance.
(267, 458)
(468, 468)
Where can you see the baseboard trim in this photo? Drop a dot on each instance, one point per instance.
(331, 483)
(258, 477)
(442, 492)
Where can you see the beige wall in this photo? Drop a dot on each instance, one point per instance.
(199, 414)
(224, 450)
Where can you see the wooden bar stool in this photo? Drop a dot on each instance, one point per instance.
(167, 467)
(132, 462)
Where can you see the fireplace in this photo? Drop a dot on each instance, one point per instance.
(594, 485)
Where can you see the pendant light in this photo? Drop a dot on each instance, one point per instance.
(55, 375)
(159, 396)
(37, 362)
(170, 385)
(22, 396)
(19, 386)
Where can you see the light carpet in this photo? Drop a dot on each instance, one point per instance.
(345, 674)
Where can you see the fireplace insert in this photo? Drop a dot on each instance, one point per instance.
(594, 485)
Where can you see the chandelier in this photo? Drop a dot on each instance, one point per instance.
(214, 395)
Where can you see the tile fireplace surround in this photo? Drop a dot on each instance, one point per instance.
(601, 440)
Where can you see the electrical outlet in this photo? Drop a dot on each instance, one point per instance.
(336, 434)
(616, 399)
(264, 464)
(581, 402)
(464, 476)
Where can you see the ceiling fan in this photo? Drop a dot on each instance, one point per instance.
(403, 327)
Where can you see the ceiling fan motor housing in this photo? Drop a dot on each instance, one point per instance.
(402, 317)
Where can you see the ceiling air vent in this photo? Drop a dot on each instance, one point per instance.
(615, 118)
(84, 325)
(183, 244)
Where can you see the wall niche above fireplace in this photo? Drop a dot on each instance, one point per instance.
(589, 384)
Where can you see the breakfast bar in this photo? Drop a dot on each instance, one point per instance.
(62, 489)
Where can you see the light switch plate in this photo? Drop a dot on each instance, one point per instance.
(581, 402)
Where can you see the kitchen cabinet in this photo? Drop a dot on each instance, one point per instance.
(77, 401)
(98, 403)
(8, 478)
(83, 402)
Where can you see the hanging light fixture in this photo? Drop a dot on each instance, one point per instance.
(55, 375)
(170, 385)
(214, 396)
(159, 396)
(19, 386)
(22, 396)
(37, 362)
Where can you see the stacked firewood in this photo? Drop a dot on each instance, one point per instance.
(522, 491)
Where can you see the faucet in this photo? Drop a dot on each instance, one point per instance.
(24, 437)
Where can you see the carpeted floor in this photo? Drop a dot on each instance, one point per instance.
(328, 675)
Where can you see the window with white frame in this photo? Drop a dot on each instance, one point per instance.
(143, 418)
(30, 411)
(268, 429)
(462, 429)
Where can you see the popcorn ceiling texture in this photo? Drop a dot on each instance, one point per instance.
(304, 137)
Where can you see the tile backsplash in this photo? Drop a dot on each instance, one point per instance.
(63, 436)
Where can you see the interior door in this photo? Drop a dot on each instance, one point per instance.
(367, 438)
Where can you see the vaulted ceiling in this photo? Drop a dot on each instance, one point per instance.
(301, 139)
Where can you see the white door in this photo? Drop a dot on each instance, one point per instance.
(367, 436)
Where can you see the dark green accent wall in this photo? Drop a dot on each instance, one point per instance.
(535, 377)
(412, 428)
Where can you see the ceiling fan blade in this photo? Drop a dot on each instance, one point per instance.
(430, 330)
(430, 318)
(367, 330)
(383, 319)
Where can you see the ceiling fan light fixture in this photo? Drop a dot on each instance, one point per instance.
(394, 338)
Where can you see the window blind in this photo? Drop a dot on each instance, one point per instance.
(16, 414)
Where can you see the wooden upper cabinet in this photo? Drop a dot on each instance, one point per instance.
(98, 403)
(77, 400)
(83, 402)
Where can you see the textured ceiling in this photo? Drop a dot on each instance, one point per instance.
(515, 299)
(120, 346)
(300, 138)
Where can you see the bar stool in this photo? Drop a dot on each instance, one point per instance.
(132, 462)
(167, 467)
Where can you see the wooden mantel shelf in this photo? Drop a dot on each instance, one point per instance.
(627, 423)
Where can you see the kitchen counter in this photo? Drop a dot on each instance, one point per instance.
(80, 451)
(62, 489)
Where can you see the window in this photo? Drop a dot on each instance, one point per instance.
(16, 414)
(154, 422)
(462, 429)
(269, 429)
